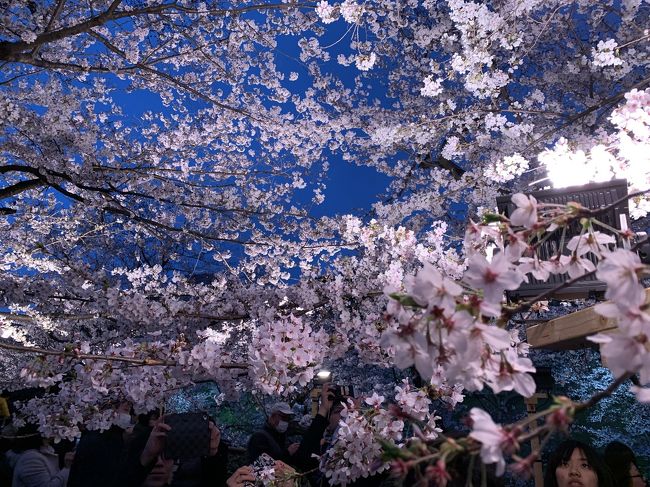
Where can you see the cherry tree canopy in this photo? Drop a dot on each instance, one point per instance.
(184, 236)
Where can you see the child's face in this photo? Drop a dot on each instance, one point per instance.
(576, 472)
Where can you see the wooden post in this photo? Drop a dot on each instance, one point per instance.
(531, 408)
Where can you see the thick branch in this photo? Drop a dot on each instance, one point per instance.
(20, 187)
(110, 358)
(9, 51)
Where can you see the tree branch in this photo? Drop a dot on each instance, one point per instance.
(607, 101)
(20, 187)
(111, 358)
(169, 78)
(603, 394)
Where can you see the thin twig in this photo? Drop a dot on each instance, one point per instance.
(604, 393)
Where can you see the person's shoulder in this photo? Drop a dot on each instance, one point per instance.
(29, 459)
(320, 420)
(258, 435)
(30, 454)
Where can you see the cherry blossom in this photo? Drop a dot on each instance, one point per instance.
(594, 242)
(165, 187)
(491, 436)
(619, 270)
(526, 213)
(431, 289)
(494, 277)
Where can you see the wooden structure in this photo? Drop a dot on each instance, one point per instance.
(571, 331)
(594, 196)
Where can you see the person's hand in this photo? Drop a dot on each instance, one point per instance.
(155, 444)
(215, 438)
(241, 475)
(293, 448)
(326, 400)
(284, 474)
(68, 459)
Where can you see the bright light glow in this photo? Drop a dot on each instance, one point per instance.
(324, 375)
(574, 168)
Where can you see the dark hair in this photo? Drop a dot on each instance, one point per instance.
(563, 453)
(27, 438)
(144, 418)
(459, 471)
(619, 457)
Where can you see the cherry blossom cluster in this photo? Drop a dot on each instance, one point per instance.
(447, 329)
(605, 54)
(356, 452)
(626, 351)
(436, 319)
(364, 434)
(284, 355)
(92, 388)
(191, 223)
(508, 168)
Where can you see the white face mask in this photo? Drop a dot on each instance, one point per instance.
(123, 420)
(282, 426)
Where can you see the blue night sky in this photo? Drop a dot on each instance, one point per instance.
(350, 188)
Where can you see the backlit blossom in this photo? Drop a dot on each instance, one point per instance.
(430, 288)
(491, 436)
(526, 213)
(576, 266)
(594, 242)
(619, 269)
(622, 353)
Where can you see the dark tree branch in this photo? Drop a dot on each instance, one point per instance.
(20, 187)
(9, 51)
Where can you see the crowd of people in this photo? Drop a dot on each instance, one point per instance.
(133, 455)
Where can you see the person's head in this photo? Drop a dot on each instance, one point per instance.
(27, 438)
(149, 419)
(280, 415)
(576, 464)
(161, 474)
(335, 416)
(621, 461)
